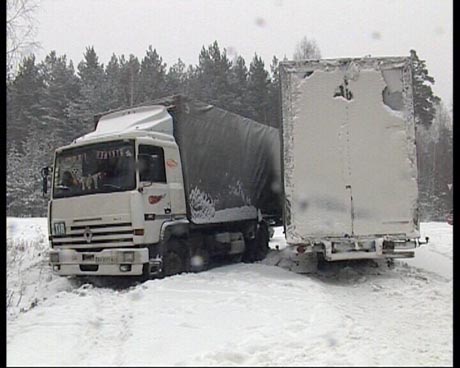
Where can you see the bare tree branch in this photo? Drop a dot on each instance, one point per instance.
(21, 30)
(307, 49)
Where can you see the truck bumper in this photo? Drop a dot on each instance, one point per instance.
(107, 262)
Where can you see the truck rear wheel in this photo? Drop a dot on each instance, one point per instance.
(200, 260)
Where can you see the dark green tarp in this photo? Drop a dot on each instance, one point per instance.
(231, 164)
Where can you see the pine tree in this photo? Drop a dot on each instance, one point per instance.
(258, 91)
(212, 79)
(114, 87)
(435, 151)
(62, 88)
(239, 87)
(130, 80)
(424, 98)
(192, 82)
(93, 92)
(176, 78)
(49, 87)
(443, 162)
(90, 71)
(24, 101)
(275, 94)
(152, 78)
(24, 183)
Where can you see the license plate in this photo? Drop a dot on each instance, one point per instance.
(88, 257)
(105, 260)
(59, 228)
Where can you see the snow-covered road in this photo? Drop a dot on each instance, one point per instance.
(241, 314)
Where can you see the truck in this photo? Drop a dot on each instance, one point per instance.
(163, 188)
(349, 163)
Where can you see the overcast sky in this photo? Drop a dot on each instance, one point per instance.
(179, 28)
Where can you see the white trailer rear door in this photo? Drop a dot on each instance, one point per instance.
(349, 149)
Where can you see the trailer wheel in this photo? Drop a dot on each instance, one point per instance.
(262, 242)
(257, 248)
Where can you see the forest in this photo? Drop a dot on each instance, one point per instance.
(50, 103)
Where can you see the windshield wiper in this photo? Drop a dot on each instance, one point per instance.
(111, 186)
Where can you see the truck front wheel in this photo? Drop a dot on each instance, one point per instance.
(173, 263)
(174, 259)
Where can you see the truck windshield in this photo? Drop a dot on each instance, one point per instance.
(95, 168)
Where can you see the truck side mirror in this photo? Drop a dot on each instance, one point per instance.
(45, 172)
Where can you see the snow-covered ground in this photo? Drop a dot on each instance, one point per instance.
(241, 314)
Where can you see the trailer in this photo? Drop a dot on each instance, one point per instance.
(349, 163)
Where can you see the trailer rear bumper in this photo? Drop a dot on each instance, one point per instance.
(366, 255)
(107, 262)
(349, 250)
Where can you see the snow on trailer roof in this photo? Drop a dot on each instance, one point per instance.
(150, 118)
(379, 63)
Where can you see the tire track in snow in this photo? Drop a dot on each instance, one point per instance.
(401, 300)
(100, 338)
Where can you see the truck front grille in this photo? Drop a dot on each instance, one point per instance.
(96, 235)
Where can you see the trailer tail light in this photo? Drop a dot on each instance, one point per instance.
(301, 249)
(54, 257)
(138, 232)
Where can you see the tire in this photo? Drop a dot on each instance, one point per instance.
(173, 263)
(145, 273)
(262, 242)
(201, 263)
(174, 259)
(235, 258)
(257, 248)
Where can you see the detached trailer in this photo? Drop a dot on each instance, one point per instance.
(161, 189)
(349, 159)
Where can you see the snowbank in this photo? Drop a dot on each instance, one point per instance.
(29, 278)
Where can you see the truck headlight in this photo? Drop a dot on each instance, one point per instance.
(54, 257)
(128, 257)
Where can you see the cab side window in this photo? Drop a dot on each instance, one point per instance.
(151, 164)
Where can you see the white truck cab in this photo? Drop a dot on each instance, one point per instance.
(107, 185)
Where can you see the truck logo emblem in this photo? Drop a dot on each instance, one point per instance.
(154, 199)
(88, 235)
(171, 163)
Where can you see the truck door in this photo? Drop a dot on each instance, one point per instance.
(155, 191)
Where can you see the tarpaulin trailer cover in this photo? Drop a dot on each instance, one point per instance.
(349, 156)
(230, 164)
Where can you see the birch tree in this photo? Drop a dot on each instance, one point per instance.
(21, 29)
